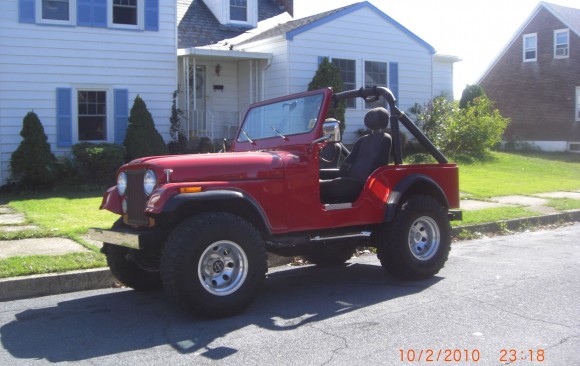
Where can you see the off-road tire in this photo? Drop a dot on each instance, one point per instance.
(329, 255)
(128, 272)
(214, 264)
(416, 244)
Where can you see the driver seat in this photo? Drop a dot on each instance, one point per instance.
(369, 152)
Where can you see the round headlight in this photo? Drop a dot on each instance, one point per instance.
(122, 183)
(149, 182)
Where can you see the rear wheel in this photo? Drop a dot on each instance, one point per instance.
(416, 244)
(135, 269)
(214, 264)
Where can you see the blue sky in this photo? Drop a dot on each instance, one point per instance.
(475, 31)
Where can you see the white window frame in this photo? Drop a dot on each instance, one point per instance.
(110, 123)
(356, 77)
(72, 14)
(556, 33)
(140, 17)
(577, 105)
(386, 85)
(251, 13)
(524, 49)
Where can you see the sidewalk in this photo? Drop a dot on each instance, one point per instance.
(41, 285)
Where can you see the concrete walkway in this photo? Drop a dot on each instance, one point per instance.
(30, 286)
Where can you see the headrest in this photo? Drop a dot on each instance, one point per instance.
(377, 119)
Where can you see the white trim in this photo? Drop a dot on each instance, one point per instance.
(110, 111)
(577, 105)
(72, 14)
(236, 55)
(524, 49)
(140, 17)
(567, 53)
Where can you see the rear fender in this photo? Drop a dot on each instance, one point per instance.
(413, 184)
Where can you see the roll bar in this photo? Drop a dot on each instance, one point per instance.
(373, 93)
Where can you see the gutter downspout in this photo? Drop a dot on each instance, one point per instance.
(263, 81)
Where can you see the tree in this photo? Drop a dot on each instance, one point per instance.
(33, 165)
(178, 140)
(328, 75)
(142, 138)
(470, 93)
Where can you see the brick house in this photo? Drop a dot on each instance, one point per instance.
(535, 80)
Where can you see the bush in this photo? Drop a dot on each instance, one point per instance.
(98, 163)
(469, 94)
(142, 138)
(461, 133)
(328, 75)
(33, 165)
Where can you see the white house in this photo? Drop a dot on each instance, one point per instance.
(282, 55)
(79, 64)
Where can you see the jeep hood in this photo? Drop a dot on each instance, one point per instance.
(214, 167)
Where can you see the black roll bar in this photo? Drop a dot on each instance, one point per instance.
(396, 116)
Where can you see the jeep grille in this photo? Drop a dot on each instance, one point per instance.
(136, 199)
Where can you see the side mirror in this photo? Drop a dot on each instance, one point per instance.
(331, 127)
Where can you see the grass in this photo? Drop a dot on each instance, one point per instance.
(70, 214)
(522, 174)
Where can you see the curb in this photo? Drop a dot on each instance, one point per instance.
(53, 284)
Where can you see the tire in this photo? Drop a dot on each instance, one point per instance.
(214, 264)
(416, 244)
(127, 271)
(330, 255)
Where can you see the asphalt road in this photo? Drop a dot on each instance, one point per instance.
(510, 299)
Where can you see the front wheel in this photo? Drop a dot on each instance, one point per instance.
(416, 244)
(214, 264)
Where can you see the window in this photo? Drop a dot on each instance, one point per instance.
(348, 75)
(92, 115)
(375, 74)
(55, 10)
(561, 43)
(125, 12)
(239, 10)
(530, 47)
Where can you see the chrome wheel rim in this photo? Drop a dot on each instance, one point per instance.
(424, 238)
(222, 268)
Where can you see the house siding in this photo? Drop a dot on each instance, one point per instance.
(296, 61)
(36, 59)
(537, 96)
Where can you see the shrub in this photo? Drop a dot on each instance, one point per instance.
(142, 138)
(98, 163)
(328, 75)
(469, 94)
(33, 165)
(178, 143)
(461, 133)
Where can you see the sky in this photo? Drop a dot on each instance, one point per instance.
(476, 31)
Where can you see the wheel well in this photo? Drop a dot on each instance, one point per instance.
(238, 206)
(417, 186)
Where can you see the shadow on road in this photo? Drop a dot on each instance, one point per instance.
(126, 321)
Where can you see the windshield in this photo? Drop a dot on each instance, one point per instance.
(281, 119)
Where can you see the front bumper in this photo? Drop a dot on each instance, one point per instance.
(134, 239)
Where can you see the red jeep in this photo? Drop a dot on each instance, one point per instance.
(200, 225)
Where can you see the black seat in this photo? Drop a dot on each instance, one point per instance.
(369, 152)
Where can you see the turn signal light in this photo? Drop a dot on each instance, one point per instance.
(189, 189)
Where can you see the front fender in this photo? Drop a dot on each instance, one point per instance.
(184, 205)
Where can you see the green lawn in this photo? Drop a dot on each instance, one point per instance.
(509, 174)
(70, 214)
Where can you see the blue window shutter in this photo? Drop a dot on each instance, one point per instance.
(394, 78)
(26, 11)
(152, 15)
(121, 114)
(64, 117)
(92, 13)
(100, 13)
(85, 13)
